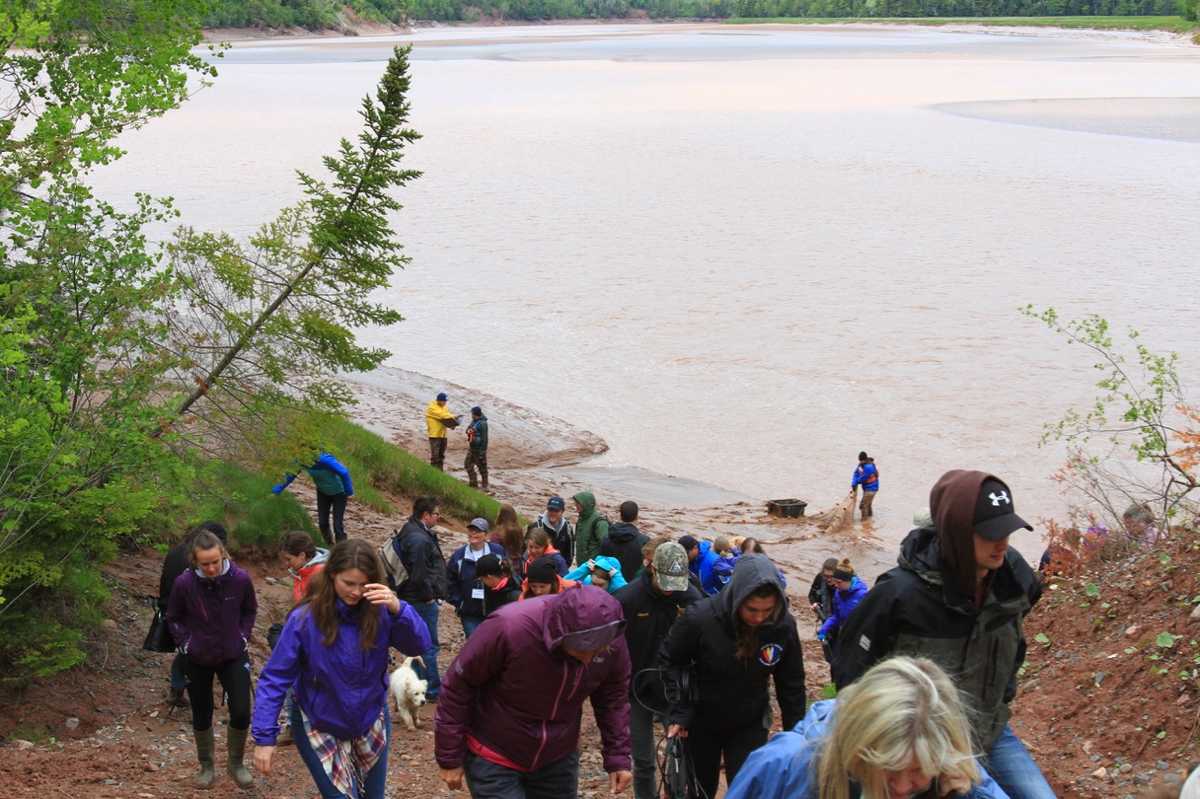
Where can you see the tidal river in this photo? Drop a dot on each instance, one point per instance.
(741, 255)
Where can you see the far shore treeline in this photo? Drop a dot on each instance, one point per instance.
(334, 14)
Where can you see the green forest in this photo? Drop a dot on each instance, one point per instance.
(320, 14)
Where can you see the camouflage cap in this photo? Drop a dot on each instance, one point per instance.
(671, 567)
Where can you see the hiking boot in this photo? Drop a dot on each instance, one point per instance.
(236, 742)
(176, 698)
(204, 753)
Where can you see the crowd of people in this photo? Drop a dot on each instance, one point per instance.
(674, 643)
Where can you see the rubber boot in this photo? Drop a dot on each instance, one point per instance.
(237, 767)
(204, 753)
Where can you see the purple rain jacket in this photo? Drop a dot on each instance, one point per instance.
(212, 619)
(514, 690)
(341, 688)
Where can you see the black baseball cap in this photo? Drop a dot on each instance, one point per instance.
(995, 515)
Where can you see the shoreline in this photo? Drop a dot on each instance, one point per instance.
(1036, 27)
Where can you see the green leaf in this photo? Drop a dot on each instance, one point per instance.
(1042, 638)
(1161, 734)
(1129, 650)
(1092, 590)
(1166, 640)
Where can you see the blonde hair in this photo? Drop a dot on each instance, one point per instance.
(902, 710)
(721, 545)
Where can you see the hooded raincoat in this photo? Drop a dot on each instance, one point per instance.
(590, 528)
(919, 609)
(303, 576)
(341, 688)
(513, 692)
(625, 542)
(212, 619)
(583, 572)
(844, 602)
(733, 690)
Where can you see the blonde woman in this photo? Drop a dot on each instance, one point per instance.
(900, 732)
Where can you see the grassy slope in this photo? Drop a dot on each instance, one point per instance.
(1170, 24)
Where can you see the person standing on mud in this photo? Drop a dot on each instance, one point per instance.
(426, 585)
(561, 531)
(438, 420)
(508, 533)
(509, 719)
(211, 615)
(958, 597)
(177, 561)
(334, 487)
(477, 444)
(866, 475)
(734, 643)
(466, 590)
(848, 593)
(625, 541)
(591, 527)
(334, 651)
(820, 595)
(652, 603)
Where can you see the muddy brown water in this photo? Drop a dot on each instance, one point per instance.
(739, 256)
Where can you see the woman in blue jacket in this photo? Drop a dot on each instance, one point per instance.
(334, 649)
(901, 731)
(848, 592)
(334, 487)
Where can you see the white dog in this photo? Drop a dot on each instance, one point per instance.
(408, 692)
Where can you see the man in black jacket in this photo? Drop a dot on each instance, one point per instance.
(624, 542)
(651, 603)
(958, 597)
(734, 643)
(176, 563)
(426, 585)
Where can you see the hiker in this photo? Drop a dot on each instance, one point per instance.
(1139, 524)
(561, 531)
(866, 475)
(652, 603)
(734, 643)
(303, 560)
(820, 595)
(542, 578)
(591, 527)
(477, 444)
(211, 615)
(958, 597)
(601, 571)
(503, 723)
(426, 585)
(538, 544)
(438, 420)
(899, 732)
(849, 592)
(722, 569)
(624, 542)
(466, 591)
(508, 533)
(334, 487)
(499, 586)
(334, 650)
(177, 561)
(701, 558)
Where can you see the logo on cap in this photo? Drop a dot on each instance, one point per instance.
(998, 498)
(770, 654)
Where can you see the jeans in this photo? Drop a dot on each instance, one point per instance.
(375, 784)
(428, 611)
(706, 747)
(336, 503)
(178, 678)
(1011, 766)
(557, 780)
(469, 624)
(235, 679)
(645, 770)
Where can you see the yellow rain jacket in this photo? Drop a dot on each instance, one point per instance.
(435, 419)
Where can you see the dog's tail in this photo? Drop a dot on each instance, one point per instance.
(407, 660)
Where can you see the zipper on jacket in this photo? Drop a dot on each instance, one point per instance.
(553, 713)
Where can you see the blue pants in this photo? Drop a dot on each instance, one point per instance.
(1011, 766)
(375, 784)
(469, 624)
(428, 611)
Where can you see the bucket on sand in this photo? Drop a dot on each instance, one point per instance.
(790, 508)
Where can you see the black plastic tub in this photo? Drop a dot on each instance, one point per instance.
(791, 508)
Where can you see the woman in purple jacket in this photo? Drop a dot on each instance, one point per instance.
(211, 614)
(334, 649)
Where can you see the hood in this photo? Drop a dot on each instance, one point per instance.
(586, 501)
(920, 553)
(952, 505)
(751, 573)
(585, 615)
(318, 559)
(544, 521)
(226, 565)
(623, 532)
(857, 586)
(609, 564)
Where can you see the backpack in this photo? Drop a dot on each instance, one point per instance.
(393, 567)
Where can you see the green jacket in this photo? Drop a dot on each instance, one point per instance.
(590, 529)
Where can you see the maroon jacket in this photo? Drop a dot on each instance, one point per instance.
(212, 620)
(515, 690)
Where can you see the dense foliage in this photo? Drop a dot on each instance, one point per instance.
(311, 14)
